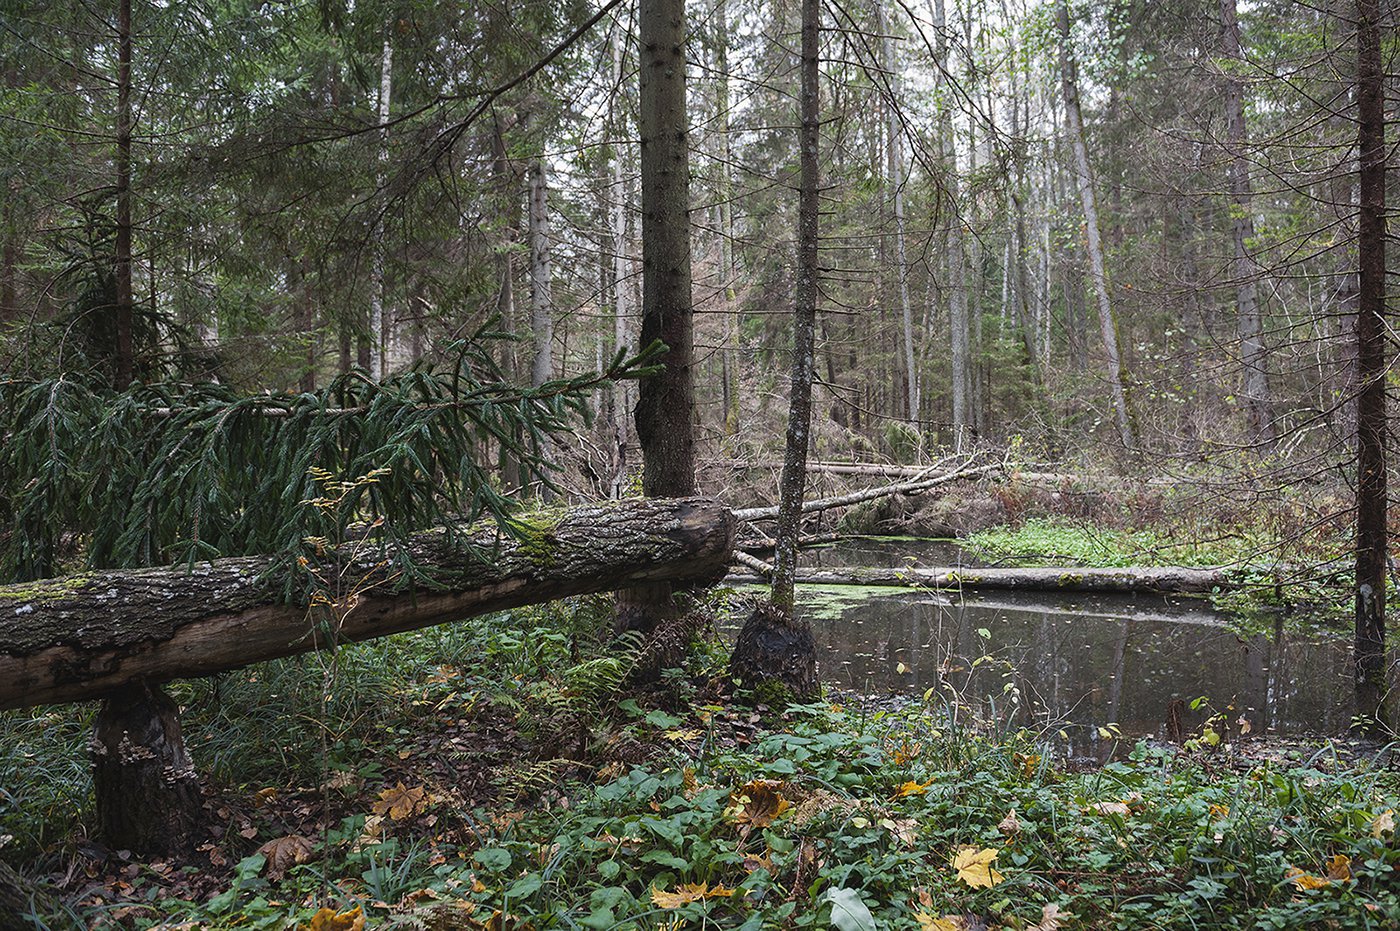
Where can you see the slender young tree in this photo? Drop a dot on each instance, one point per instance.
(1108, 323)
(379, 324)
(776, 644)
(125, 309)
(1253, 353)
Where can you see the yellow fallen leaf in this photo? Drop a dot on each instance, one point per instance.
(1220, 811)
(1339, 868)
(912, 787)
(690, 892)
(327, 920)
(1305, 880)
(681, 735)
(1383, 823)
(975, 867)
(401, 802)
(1028, 763)
(1111, 808)
(946, 923)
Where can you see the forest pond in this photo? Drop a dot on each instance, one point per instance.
(1070, 664)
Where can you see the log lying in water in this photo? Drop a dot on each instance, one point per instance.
(83, 636)
(1164, 580)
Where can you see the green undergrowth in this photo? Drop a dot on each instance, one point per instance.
(1057, 542)
(609, 807)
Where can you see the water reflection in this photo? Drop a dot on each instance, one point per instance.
(1080, 662)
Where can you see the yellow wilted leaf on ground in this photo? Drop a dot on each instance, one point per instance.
(757, 803)
(1220, 811)
(687, 734)
(1028, 762)
(1111, 808)
(401, 802)
(1383, 823)
(947, 923)
(327, 920)
(1339, 868)
(975, 867)
(284, 853)
(912, 787)
(906, 752)
(1305, 880)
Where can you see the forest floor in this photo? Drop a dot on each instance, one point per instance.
(503, 773)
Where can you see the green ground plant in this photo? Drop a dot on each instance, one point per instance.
(922, 817)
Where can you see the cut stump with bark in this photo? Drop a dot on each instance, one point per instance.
(147, 790)
(20, 901)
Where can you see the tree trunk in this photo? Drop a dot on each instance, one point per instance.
(959, 340)
(1253, 354)
(621, 285)
(79, 637)
(894, 168)
(507, 206)
(666, 401)
(1108, 326)
(21, 904)
(1371, 537)
(147, 791)
(1047, 579)
(125, 309)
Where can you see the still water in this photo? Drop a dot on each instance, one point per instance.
(1071, 663)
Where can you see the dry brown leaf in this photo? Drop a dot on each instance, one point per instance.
(1010, 825)
(1383, 823)
(284, 853)
(1111, 808)
(757, 803)
(401, 802)
(1050, 918)
(1339, 868)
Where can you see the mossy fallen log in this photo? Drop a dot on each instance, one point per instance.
(1156, 579)
(83, 636)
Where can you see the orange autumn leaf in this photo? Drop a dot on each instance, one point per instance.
(327, 920)
(401, 802)
(1339, 868)
(912, 787)
(690, 892)
(1305, 880)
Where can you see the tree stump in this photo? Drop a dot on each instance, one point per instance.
(147, 790)
(775, 649)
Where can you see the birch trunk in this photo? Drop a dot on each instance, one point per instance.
(1108, 325)
(959, 341)
(621, 286)
(541, 292)
(378, 324)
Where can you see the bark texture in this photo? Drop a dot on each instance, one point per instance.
(666, 401)
(125, 309)
(1371, 537)
(19, 900)
(146, 787)
(79, 637)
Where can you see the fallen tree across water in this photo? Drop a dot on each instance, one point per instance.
(1162, 579)
(931, 478)
(78, 637)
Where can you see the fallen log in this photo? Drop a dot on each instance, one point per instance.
(932, 479)
(84, 636)
(1159, 580)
